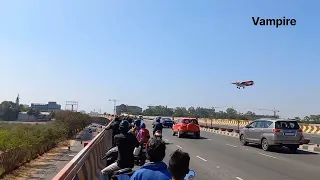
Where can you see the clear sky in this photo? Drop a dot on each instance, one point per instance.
(175, 53)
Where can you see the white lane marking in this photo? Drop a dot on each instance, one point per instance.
(71, 155)
(201, 158)
(231, 145)
(239, 178)
(209, 139)
(166, 140)
(179, 146)
(268, 155)
(218, 167)
(247, 149)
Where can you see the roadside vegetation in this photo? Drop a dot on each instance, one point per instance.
(20, 143)
(230, 113)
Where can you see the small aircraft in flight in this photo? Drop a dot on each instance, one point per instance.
(243, 84)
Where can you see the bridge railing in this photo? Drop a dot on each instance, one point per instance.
(87, 164)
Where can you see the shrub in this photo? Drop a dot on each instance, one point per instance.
(20, 143)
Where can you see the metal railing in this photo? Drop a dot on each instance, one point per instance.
(86, 165)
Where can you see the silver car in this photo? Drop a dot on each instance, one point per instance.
(273, 132)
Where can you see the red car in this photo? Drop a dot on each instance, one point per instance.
(186, 126)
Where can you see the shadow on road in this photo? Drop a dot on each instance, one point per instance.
(284, 150)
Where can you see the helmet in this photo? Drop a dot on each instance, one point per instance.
(137, 122)
(124, 126)
(158, 119)
(143, 125)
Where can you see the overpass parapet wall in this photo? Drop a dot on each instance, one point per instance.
(87, 164)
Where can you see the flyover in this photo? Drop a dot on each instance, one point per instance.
(214, 156)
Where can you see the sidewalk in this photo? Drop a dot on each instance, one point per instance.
(50, 163)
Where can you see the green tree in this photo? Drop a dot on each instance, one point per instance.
(181, 112)
(8, 111)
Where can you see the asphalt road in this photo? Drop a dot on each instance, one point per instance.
(306, 135)
(218, 157)
(55, 161)
(23, 122)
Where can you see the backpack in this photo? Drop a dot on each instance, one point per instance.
(145, 135)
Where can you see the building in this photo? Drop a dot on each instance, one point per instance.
(128, 109)
(83, 112)
(51, 106)
(43, 116)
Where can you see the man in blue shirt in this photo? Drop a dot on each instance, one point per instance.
(155, 169)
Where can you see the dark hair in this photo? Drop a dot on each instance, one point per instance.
(156, 150)
(124, 126)
(179, 164)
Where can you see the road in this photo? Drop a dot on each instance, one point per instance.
(24, 122)
(47, 166)
(218, 157)
(306, 135)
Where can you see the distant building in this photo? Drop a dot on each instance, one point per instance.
(83, 112)
(51, 106)
(43, 116)
(128, 109)
(93, 113)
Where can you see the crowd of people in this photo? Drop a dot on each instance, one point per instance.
(128, 134)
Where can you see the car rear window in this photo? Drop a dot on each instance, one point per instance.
(166, 119)
(189, 121)
(287, 125)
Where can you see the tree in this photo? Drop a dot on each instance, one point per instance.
(30, 112)
(181, 112)
(8, 111)
(22, 108)
(250, 113)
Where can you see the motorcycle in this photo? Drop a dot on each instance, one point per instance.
(111, 156)
(158, 134)
(141, 158)
(188, 176)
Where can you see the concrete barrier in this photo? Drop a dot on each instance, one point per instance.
(87, 164)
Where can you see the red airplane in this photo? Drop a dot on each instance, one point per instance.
(243, 84)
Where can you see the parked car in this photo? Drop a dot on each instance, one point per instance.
(273, 132)
(166, 122)
(185, 127)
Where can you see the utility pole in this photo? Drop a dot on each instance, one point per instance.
(114, 106)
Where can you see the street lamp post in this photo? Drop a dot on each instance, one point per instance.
(114, 106)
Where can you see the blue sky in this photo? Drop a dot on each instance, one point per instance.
(175, 53)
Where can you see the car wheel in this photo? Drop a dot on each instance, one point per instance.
(173, 133)
(293, 149)
(243, 140)
(264, 144)
(179, 134)
(197, 135)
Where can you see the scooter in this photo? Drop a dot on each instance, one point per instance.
(111, 156)
(142, 157)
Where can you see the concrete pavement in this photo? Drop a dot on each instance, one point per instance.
(221, 157)
(48, 165)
